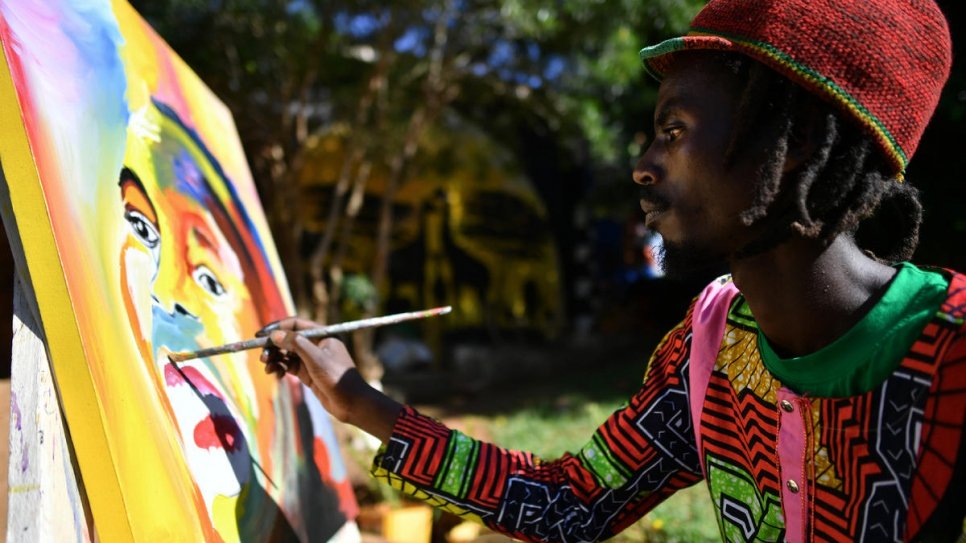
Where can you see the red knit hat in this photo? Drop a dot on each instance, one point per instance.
(883, 62)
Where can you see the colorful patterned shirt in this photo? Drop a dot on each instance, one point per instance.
(887, 464)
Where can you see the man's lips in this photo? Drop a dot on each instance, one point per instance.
(652, 212)
(652, 207)
(653, 203)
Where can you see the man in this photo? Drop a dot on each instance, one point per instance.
(820, 389)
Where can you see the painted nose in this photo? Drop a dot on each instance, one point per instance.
(176, 310)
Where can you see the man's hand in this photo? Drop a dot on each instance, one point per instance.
(328, 370)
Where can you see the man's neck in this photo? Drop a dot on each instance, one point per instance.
(805, 296)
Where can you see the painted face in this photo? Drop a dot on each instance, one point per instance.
(184, 288)
(689, 194)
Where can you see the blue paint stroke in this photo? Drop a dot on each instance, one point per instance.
(177, 330)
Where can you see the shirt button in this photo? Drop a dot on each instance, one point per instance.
(793, 486)
(787, 406)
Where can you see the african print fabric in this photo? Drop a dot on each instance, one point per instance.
(886, 465)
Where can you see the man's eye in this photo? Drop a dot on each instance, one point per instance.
(672, 133)
(206, 278)
(143, 229)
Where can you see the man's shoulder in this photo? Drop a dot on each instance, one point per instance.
(953, 308)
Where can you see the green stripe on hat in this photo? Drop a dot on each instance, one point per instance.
(672, 45)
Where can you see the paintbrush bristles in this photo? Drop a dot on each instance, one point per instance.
(314, 333)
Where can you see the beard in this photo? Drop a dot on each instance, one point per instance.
(691, 262)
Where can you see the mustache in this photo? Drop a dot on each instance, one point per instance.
(650, 193)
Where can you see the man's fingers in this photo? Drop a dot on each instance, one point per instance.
(279, 361)
(282, 339)
(290, 351)
(305, 348)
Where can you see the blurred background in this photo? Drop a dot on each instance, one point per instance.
(478, 154)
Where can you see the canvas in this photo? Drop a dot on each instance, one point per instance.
(142, 234)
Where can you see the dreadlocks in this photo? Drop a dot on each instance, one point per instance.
(844, 184)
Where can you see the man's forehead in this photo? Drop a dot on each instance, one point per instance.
(694, 78)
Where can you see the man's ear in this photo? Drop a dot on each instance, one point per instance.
(803, 139)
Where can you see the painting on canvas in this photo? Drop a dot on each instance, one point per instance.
(143, 235)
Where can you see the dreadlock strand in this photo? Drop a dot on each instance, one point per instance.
(804, 224)
(749, 110)
(768, 183)
(860, 194)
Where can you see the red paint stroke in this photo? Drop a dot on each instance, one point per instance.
(175, 376)
(219, 432)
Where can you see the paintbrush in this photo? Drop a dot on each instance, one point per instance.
(313, 333)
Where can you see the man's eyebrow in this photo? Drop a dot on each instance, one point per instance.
(665, 110)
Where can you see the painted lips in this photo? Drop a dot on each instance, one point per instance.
(217, 430)
(189, 375)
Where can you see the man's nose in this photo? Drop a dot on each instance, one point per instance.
(645, 171)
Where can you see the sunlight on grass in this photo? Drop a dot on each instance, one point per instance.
(550, 429)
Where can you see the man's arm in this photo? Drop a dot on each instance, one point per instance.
(639, 456)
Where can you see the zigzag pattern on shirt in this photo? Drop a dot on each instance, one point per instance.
(844, 440)
(420, 454)
(552, 513)
(486, 489)
(741, 428)
(739, 421)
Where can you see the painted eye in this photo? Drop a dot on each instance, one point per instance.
(142, 228)
(206, 278)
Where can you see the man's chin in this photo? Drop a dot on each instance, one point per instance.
(690, 263)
